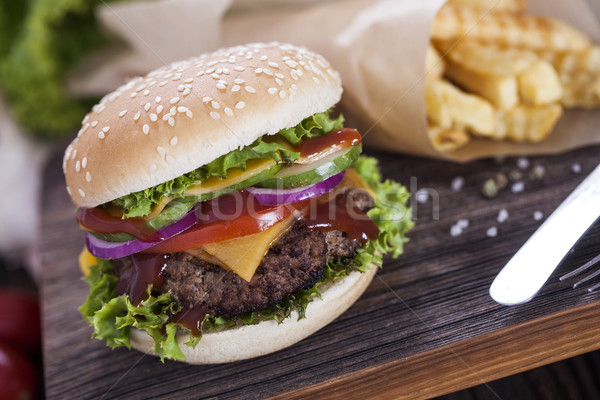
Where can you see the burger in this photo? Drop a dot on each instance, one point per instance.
(227, 211)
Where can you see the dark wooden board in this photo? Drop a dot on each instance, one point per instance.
(426, 325)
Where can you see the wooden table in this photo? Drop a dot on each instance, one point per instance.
(426, 326)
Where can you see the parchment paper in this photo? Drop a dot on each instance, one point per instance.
(378, 47)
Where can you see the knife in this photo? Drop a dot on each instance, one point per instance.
(528, 270)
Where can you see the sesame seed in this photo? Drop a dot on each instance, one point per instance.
(176, 78)
(240, 105)
(74, 154)
(69, 190)
(78, 166)
(273, 64)
(258, 70)
(174, 100)
(239, 68)
(272, 90)
(291, 63)
(210, 71)
(215, 105)
(173, 110)
(84, 162)
(215, 75)
(200, 73)
(239, 81)
(219, 71)
(137, 115)
(122, 113)
(226, 71)
(163, 83)
(145, 129)
(317, 81)
(221, 86)
(263, 58)
(228, 111)
(180, 88)
(146, 92)
(189, 80)
(215, 115)
(81, 192)
(88, 176)
(166, 117)
(294, 75)
(186, 91)
(106, 129)
(268, 72)
(235, 88)
(159, 109)
(173, 141)
(140, 88)
(101, 135)
(282, 94)
(279, 75)
(206, 99)
(161, 150)
(171, 122)
(153, 117)
(250, 89)
(278, 81)
(147, 106)
(299, 72)
(94, 123)
(189, 114)
(182, 109)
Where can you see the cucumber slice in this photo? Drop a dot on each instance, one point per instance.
(177, 208)
(306, 174)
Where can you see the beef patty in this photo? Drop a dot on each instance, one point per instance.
(294, 263)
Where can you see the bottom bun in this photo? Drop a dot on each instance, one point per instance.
(249, 341)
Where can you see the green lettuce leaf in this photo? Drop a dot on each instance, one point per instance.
(140, 203)
(112, 317)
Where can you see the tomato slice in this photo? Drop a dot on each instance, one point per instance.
(227, 217)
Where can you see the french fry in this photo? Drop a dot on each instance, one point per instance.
(581, 90)
(463, 109)
(527, 123)
(434, 64)
(586, 61)
(496, 5)
(437, 109)
(540, 84)
(447, 140)
(506, 28)
(502, 91)
(488, 59)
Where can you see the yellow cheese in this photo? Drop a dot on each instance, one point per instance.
(234, 176)
(86, 260)
(243, 255)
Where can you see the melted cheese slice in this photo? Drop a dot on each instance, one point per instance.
(86, 260)
(234, 176)
(244, 254)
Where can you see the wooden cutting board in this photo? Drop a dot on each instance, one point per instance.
(426, 326)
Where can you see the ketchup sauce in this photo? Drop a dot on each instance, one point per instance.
(335, 140)
(146, 269)
(100, 220)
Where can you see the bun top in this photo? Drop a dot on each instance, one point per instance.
(186, 114)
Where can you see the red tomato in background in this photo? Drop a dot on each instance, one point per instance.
(20, 320)
(17, 376)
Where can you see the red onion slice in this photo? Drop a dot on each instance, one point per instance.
(111, 250)
(286, 196)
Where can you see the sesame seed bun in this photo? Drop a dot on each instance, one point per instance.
(268, 336)
(186, 114)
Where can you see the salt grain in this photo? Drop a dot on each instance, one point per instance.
(575, 168)
(538, 215)
(457, 183)
(502, 216)
(492, 231)
(522, 163)
(517, 187)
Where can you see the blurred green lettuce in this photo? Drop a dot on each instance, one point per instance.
(40, 42)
